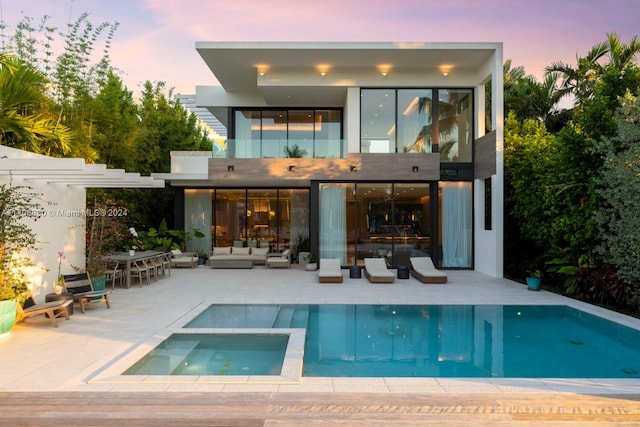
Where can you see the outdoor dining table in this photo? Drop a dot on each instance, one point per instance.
(128, 260)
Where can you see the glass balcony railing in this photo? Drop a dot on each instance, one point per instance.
(279, 148)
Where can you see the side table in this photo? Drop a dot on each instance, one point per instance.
(403, 272)
(355, 272)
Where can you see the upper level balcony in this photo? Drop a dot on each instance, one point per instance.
(279, 148)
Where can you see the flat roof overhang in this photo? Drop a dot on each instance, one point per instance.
(287, 73)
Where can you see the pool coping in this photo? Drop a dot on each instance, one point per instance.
(291, 378)
(37, 357)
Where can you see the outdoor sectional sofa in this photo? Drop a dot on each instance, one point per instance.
(233, 257)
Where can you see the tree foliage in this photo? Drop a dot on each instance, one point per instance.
(18, 204)
(585, 219)
(26, 121)
(619, 187)
(79, 91)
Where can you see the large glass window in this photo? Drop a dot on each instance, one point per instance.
(247, 135)
(375, 221)
(287, 133)
(365, 220)
(197, 216)
(412, 216)
(274, 133)
(414, 120)
(328, 128)
(230, 217)
(262, 218)
(455, 125)
(294, 218)
(300, 138)
(378, 121)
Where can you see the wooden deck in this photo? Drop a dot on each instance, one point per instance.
(313, 409)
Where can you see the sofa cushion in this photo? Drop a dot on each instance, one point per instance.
(176, 252)
(222, 250)
(240, 251)
(259, 251)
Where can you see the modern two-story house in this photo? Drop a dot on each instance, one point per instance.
(360, 149)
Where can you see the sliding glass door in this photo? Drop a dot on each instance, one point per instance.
(365, 220)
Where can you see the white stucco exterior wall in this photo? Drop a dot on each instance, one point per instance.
(489, 253)
(60, 185)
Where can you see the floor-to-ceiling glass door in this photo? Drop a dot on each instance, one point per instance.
(259, 217)
(363, 220)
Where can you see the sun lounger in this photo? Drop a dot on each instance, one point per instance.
(330, 271)
(422, 268)
(375, 269)
(53, 310)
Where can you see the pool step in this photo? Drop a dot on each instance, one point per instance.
(300, 317)
(165, 360)
(283, 320)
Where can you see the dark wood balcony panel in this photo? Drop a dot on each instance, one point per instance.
(485, 156)
(300, 171)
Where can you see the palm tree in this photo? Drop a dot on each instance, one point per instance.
(621, 55)
(581, 80)
(24, 122)
(529, 99)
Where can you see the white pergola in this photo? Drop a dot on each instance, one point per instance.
(62, 183)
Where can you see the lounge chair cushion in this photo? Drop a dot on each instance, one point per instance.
(241, 251)
(222, 250)
(330, 271)
(422, 268)
(259, 251)
(376, 271)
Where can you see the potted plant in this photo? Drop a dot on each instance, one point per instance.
(300, 248)
(310, 259)
(202, 256)
(17, 203)
(534, 280)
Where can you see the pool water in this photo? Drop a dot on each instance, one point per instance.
(429, 341)
(215, 354)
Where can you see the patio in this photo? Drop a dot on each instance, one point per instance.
(38, 358)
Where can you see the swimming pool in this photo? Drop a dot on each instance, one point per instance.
(215, 354)
(442, 340)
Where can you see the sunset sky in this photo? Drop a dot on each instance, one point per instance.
(156, 38)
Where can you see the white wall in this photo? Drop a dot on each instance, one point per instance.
(352, 120)
(60, 228)
(489, 251)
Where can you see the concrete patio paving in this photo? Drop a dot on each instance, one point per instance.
(48, 375)
(38, 357)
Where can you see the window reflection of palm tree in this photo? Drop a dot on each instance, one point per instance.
(295, 152)
(447, 122)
